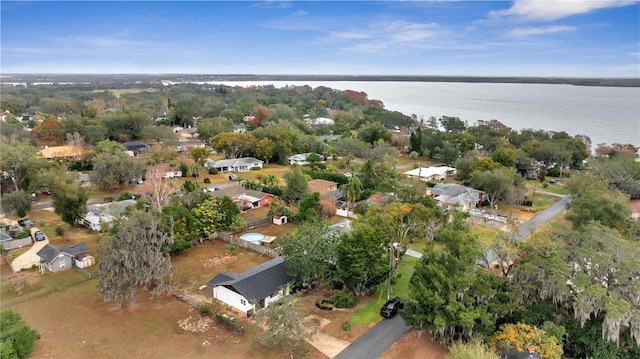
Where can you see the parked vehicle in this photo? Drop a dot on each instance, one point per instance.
(39, 236)
(391, 307)
(26, 223)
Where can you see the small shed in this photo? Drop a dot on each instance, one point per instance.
(279, 220)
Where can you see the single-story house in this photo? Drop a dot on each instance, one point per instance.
(320, 121)
(245, 198)
(188, 132)
(635, 208)
(301, 158)
(189, 144)
(8, 242)
(264, 283)
(61, 153)
(240, 128)
(234, 164)
(169, 171)
(57, 259)
(450, 195)
(431, 173)
(136, 148)
(103, 214)
(323, 187)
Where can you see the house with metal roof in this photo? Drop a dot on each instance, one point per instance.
(439, 173)
(264, 284)
(234, 164)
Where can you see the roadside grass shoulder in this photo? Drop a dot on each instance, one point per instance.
(368, 310)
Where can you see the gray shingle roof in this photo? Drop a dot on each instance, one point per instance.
(48, 253)
(257, 282)
(75, 249)
(455, 193)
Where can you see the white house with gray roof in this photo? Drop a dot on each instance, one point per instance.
(234, 164)
(264, 283)
(100, 216)
(455, 196)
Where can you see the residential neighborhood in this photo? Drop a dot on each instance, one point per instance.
(229, 227)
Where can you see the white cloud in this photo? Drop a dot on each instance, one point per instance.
(535, 10)
(388, 36)
(300, 13)
(542, 30)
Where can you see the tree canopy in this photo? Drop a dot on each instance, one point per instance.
(17, 339)
(134, 255)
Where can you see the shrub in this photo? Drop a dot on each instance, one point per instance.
(207, 180)
(231, 248)
(324, 304)
(124, 196)
(21, 213)
(346, 326)
(205, 310)
(23, 234)
(59, 231)
(213, 171)
(344, 299)
(108, 198)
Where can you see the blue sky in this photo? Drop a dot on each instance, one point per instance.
(477, 38)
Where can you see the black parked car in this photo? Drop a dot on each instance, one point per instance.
(391, 307)
(26, 223)
(39, 236)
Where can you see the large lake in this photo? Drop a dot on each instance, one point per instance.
(605, 114)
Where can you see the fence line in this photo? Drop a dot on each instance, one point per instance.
(257, 223)
(230, 238)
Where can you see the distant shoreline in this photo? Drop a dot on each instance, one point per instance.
(129, 79)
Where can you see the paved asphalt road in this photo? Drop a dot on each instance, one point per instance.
(543, 217)
(375, 341)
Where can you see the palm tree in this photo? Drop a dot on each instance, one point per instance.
(352, 190)
(195, 168)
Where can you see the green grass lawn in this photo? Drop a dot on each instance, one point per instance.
(553, 188)
(368, 310)
(486, 235)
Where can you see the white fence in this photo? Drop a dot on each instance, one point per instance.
(488, 216)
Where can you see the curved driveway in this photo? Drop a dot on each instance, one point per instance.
(376, 340)
(27, 259)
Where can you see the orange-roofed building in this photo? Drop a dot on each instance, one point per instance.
(61, 153)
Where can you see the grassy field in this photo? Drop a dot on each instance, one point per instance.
(486, 234)
(119, 92)
(557, 188)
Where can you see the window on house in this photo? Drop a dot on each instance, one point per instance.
(62, 264)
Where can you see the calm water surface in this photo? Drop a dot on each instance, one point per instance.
(605, 114)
